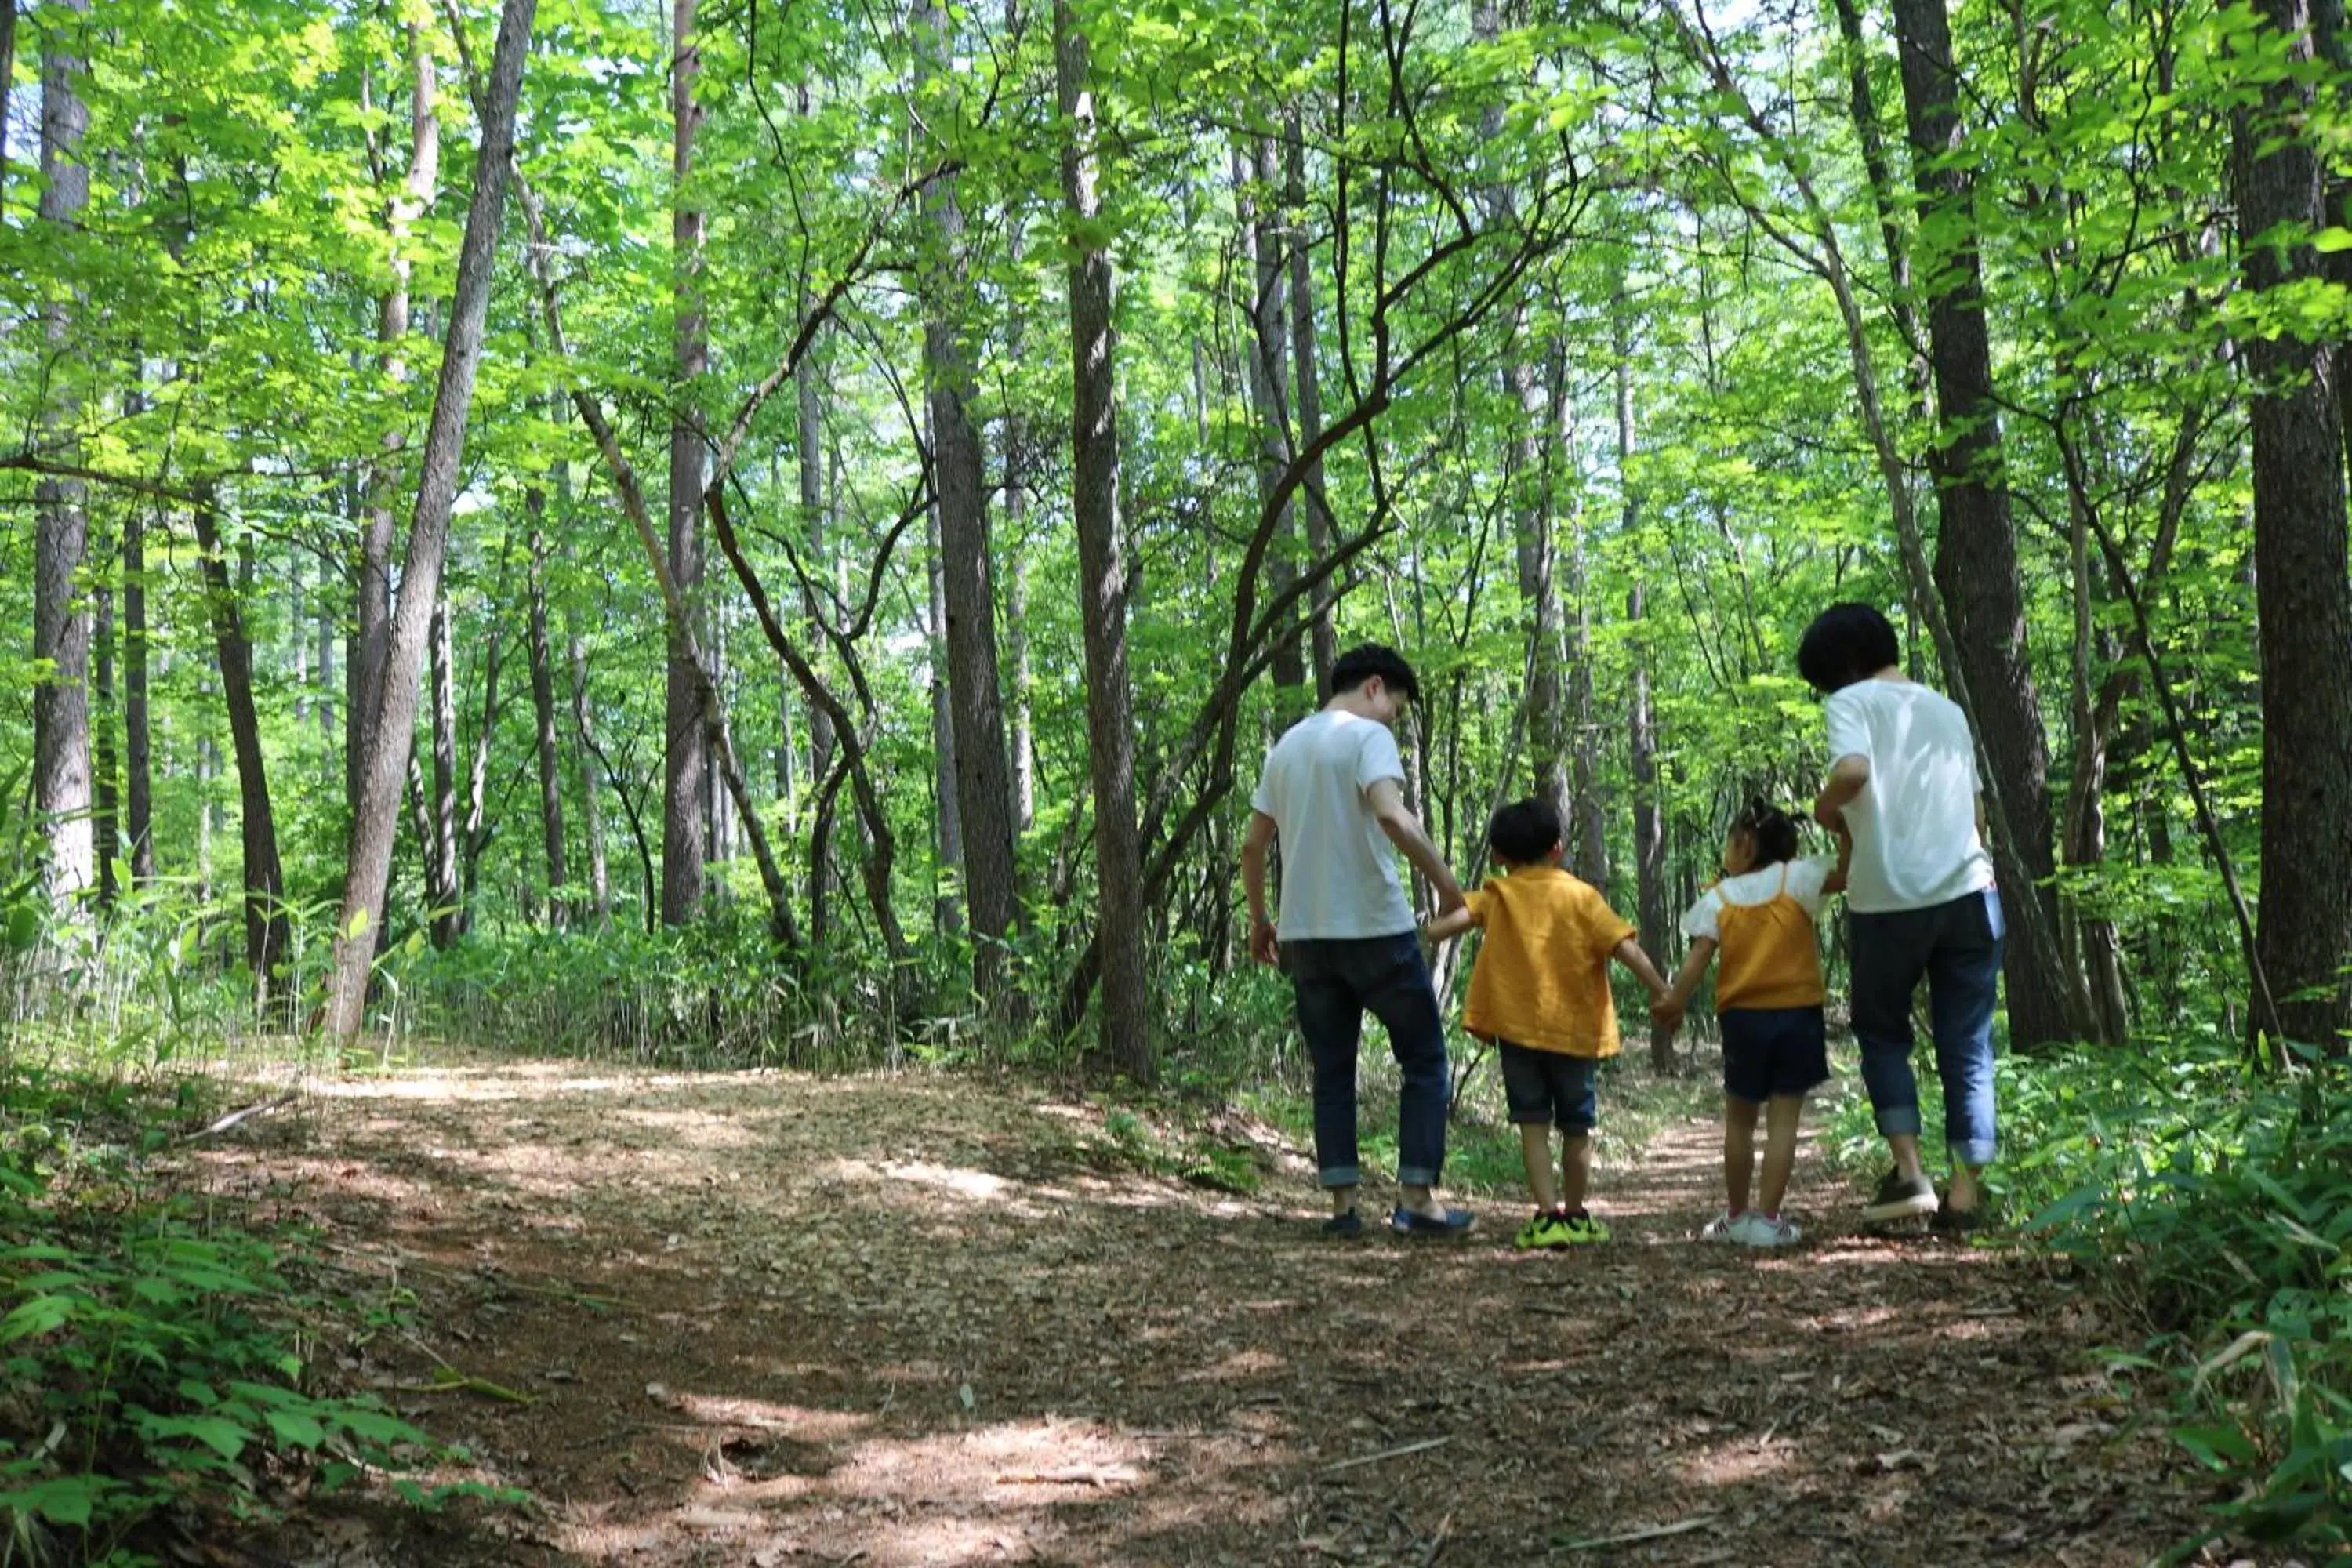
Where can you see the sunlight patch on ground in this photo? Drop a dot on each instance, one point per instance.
(800, 1422)
(1239, 1366)
(961, 1182)
(1741, 1460)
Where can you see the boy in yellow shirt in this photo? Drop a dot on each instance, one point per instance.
(1539, 991)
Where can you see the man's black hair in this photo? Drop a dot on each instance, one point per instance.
(1847, 643)
(1524, 832)
(1365, 660)
(1774, 832)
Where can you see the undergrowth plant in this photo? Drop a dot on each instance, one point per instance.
(150, 1370)
(2210, 1202)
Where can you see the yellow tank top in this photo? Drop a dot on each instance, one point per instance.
(1768, 955)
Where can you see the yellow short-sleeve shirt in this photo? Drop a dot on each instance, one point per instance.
(1542, 975)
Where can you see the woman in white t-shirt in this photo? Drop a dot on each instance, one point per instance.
(1920, 902)
(1768, 998)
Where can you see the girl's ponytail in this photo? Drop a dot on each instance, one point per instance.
(1773, 831)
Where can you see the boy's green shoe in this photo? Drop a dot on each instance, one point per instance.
(1580, 1230)
(1543, 1233)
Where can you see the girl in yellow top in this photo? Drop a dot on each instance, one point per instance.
(1539, 991)
(1768, 997)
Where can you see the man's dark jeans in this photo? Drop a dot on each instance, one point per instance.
(1956, 947)
(1336, 983)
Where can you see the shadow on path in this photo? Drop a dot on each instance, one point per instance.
(915, 1320)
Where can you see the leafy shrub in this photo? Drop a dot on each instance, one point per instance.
(138, 1371)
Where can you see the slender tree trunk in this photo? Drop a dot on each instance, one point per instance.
(61, 528)
(543, 708)
(1270, 351)
(810, 458)
(1536, 460)
(1023, 735)
(592, 815)
(207, 818)
(947, 902)
(266, 927)
(1017, 580)
(1308, 380)
(107, 819)
(687, 756)
(323, 599)
(1976, 546)
(390, 735)
(2302, 596)
(475, 834)
(441, 805)
(138, 778)
(1110, 729)
(7, 84)
(983, 791)
(372, 613)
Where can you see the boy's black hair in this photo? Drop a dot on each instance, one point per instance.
(1847, 643)
(1773, 831)
(1365, 660)
(1524, 832)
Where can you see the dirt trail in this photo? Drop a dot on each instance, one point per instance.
(776, 1320)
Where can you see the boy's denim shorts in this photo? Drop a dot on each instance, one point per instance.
(1772, 1051)
(1551, 1086)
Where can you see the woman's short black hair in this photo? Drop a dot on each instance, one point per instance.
(1524, 832)
(1365, 660)
(1847, 643)
(1770, 829)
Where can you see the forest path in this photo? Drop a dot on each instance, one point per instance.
(770, 1319)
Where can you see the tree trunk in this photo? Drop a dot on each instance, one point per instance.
(138, 753)
(1651, 910)
(1111, 731)
(810, 458)
(441, 805)
(983, 791)
(1307, 383)
(686, 755)
(107, 819)
(592, 815)
(322, 600)
(372, 613)
(1270, 346)
(266, 927)
(1976, 546)
(543, 708)
(1017, 587)
(390, 735)
(1534, 459)
(7, 85)
(1016, 556)
(476, 835)
(947, 899)
(2302, 596)
(61, 528)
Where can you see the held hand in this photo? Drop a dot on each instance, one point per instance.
(1666, 1012)
(1263, 945)
(1448, 903)
(1828, 812)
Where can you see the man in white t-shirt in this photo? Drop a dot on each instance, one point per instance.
(1332, 795)
(1920, 902)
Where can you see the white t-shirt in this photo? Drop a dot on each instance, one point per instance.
(1338, 869)
(1915, 823)
(1759, 887)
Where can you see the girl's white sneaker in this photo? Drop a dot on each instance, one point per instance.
(1724, 1227)
(1762, 1230)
